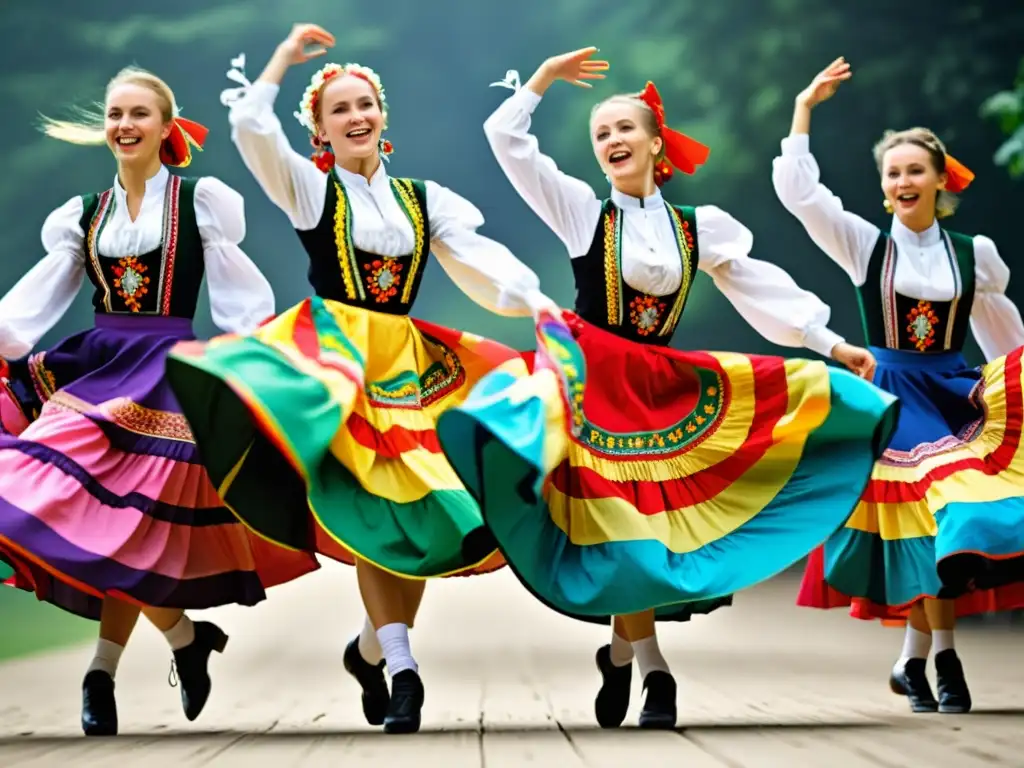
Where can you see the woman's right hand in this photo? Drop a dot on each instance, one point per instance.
(825, 83)
(305, 42)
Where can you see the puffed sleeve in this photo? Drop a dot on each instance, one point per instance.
(567, 205)
(763, 293)
(483, 269)
(846, 238)
(240, 296)
(39, 300)
(995, 320)
(290, 180)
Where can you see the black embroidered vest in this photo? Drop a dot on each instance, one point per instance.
(341, 272)
(167, 280)
(604, 299)
(894, 321)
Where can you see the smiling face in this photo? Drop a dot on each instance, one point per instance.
(626, 142)
(350, 118)
(911, 182)
(136, 123)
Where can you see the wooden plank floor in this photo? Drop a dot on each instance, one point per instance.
(510, 683)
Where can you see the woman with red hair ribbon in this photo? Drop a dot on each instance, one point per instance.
(105, 509)
(630, 480)
(939, 532)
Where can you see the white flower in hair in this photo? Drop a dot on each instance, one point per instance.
(307, 104)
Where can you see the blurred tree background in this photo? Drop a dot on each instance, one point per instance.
(728, 72)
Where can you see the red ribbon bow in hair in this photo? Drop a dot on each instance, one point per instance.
(681, 151)
(958, 175)
(176, 149)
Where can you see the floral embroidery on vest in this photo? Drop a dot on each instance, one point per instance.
(131, 281)
(383, 278)
(921, 324)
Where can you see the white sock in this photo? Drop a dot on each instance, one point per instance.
(394, 642)
(108, 654)
(621, 651)
(916, 645)
(181, 634)
(943, 639)
(369, 645)
(648, 656)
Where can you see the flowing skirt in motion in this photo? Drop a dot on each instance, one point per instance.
(101, 489)
(943, 515)
(318, 431)
(621, 477)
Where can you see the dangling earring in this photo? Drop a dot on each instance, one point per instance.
(887, 205)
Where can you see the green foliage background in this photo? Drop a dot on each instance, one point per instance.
(727, 70)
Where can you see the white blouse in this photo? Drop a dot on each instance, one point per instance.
(764, 294)
(485, 270)
(923, 270)
(240, 296)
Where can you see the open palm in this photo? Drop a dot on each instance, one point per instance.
(826, 82)
(576, 67)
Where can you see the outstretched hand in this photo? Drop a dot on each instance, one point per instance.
(576, 67)
(825, 83)
(305, 42)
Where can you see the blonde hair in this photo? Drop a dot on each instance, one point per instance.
(88, 129)
(945, 202)
(648, 121)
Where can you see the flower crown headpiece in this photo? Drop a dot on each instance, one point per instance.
(323, 156)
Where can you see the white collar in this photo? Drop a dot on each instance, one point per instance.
(925, 239)
(155, 185)
(628, 202)
(350, 179)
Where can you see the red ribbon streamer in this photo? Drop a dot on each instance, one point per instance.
(681, 151)
(176, 149)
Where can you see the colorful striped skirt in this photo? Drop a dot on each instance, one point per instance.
(943, 516)
(101, 490)
(621, 477)
(318, 431)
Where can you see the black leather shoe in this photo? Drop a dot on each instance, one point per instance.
(407, 695)
(371, 679)
(99, 708)
(612, 700)
(954, 697)
(191, 666)
(912, 682)
(659, 710)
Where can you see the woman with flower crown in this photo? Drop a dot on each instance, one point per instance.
(319, 428)
(939, 532)
(105, 509)
(626, 479)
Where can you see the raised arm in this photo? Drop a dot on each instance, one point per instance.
(39, 300)
(240, 296)
(845, 237)
(290, 179)
(483, 269)
(995, 320)
(566, 204)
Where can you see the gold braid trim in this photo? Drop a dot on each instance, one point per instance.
(405, 193)
(611, 270)
(341, 241)
(687, 276)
